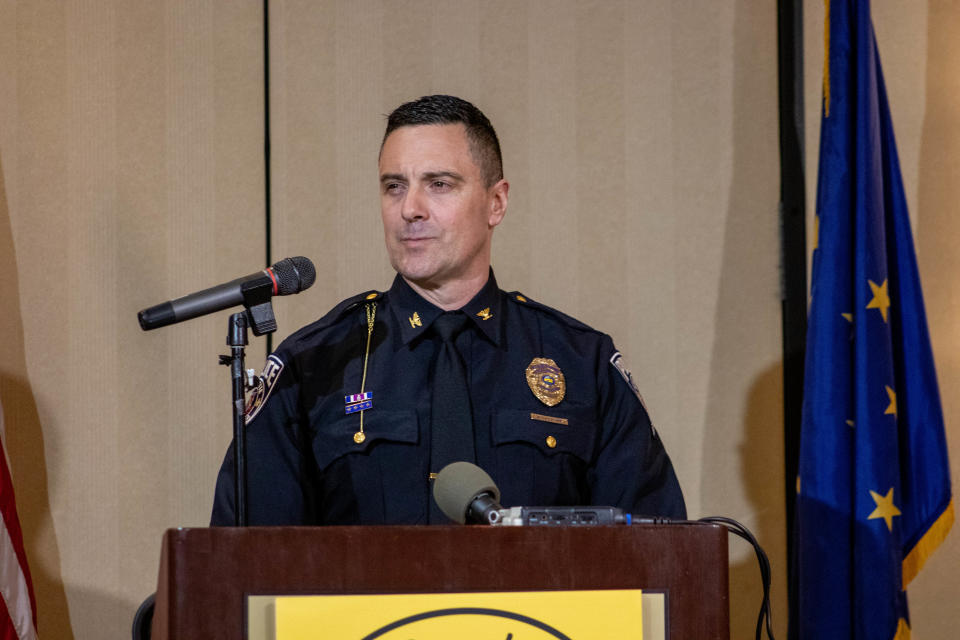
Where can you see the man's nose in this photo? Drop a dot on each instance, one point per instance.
(414, 205)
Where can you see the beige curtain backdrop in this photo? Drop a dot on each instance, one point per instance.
(131, 165)
(640, 139)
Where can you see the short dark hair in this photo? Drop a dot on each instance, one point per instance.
(441, 109)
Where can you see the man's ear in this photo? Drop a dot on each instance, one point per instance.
(499, 194)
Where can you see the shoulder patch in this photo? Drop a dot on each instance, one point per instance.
(264, 385)
(617, 361)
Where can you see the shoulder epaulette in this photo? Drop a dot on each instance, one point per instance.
(335, 314)
(525, 301)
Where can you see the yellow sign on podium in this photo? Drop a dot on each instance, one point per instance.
(540, 615)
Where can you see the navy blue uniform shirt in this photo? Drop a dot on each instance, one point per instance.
(596, 446)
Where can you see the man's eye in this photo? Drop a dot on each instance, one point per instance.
(392, 187)
(440, 184)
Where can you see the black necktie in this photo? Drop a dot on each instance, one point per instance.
(451, 422)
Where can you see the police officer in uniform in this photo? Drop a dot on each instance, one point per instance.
(357, 412)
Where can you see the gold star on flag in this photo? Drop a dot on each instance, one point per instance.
(903, 629)
(881, 299)
(848, 317)
(892, 408)
(885, 508)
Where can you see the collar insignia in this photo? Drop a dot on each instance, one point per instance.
(415, 320)
(485, 314)
(546, 381)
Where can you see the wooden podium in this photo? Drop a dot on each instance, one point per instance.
(207, 574)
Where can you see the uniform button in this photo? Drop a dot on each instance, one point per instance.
(371, 296)
(551, 442)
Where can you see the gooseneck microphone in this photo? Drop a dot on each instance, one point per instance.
(465, 493)
(288, 276)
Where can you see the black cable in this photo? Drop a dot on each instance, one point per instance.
(764, 617)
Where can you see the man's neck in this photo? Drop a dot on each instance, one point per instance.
(451, 296)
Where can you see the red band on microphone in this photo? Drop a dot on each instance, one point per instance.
(272, 278)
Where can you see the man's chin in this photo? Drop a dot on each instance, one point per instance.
(422, 281)
(419, 274)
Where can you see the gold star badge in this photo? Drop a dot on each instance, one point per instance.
(546, 381)
(485, 314)
(892, 409)
(415, 320)
(881, 299)
(885, 508)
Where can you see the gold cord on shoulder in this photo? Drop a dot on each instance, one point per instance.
(371, 309)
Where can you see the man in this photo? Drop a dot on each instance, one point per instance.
(356, 412)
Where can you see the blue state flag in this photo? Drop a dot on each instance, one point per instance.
(873, 492)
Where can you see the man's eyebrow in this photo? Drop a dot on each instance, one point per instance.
(433, 175)
(426, 176)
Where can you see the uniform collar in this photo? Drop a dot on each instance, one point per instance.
(414, 315)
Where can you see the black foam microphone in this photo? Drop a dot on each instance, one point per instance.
(465, 493)
(288, 276)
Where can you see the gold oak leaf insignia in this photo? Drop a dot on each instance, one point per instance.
(881, 299)
(892, 407)
(885, 508)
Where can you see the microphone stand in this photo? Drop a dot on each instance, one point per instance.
(258, 315)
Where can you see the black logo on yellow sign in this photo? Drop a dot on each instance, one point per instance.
(409, 621)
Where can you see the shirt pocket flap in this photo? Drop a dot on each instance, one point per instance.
(569, 431)
(336, 438)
